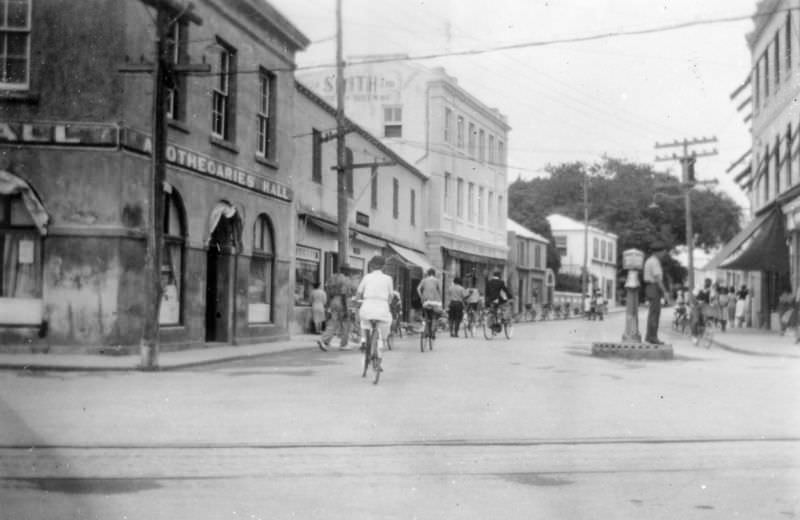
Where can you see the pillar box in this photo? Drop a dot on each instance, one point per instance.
(633, 262)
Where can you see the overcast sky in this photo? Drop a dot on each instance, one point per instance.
(568, 101)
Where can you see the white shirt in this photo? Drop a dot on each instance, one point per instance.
(375, 290)
(652, 270)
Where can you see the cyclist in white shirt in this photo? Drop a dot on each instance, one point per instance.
(375, 292)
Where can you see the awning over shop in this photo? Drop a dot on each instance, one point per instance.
(322, 224)
(476, 259)
(10, 184)
(764, 250)
(375, 242)
(412, 257)
(760, 246)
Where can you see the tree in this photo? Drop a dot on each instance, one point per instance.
(621, 196)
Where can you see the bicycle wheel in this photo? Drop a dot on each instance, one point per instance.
(373, 350)
(367, 354)
(488, 325)
(508, 328)
(423, 334)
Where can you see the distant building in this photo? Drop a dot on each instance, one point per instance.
(387, 207)
(527, 266)
(453, 138)
(570, 236)
(770, 171)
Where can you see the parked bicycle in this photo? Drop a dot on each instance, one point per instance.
(495, 322)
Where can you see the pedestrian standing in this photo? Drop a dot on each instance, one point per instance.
(722, 302)
(318, 302)
(654, 290)
(455, 310)
(339, 290)
(599, 305)
(741, 305)
(731, 306)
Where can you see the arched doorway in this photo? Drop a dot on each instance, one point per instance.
(224, 243)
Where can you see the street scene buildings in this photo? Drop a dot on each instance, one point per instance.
(218, 217)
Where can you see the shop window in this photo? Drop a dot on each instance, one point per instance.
(261, 273)
(172, 264)
(306, 274)
(15, 35)
(21, 247)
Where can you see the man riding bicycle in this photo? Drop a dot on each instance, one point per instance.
(430, 294)
(497, 294)
(375, 292)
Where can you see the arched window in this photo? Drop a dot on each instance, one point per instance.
(174, 230)
(20, 250)
(261, 271)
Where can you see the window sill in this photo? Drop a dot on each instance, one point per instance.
(269, 163)
(228, 145)
(19, 96)
(178, 125)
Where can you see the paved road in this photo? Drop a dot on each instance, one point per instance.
(529, 428)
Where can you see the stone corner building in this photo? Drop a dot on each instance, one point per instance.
(75, 166)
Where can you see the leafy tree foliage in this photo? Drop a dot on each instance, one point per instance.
(637, 203)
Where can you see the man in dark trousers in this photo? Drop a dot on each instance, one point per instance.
(654, 290)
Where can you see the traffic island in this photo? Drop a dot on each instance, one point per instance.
(632, 350)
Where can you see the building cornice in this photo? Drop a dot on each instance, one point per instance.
(448, 85)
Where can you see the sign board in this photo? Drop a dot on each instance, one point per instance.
(205, 165)
(59, 134)
(307, 253)
(549, 278)
(632, 259)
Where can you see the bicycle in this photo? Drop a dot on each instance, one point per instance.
(373, 336)
(471, 318)
(495, 322)
(429, 324)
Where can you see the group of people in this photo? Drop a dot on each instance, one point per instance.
(381, 303)
(715, 303)
(594, 305)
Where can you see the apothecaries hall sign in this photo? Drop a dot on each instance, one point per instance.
(205, 165)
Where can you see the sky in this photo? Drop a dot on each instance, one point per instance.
(571, 101)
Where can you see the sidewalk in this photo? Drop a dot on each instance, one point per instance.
(749, 341)
(166, 360)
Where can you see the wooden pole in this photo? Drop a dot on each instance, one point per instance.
(341, 154)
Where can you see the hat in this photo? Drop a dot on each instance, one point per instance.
(658, 245)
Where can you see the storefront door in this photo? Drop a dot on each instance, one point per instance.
(220, 279)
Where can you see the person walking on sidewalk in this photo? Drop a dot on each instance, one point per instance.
(318, 302)
(654, 290)
(339, 292)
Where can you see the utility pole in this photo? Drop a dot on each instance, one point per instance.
(168, 12)
(585, 275)
(688, 181)
(341, 154)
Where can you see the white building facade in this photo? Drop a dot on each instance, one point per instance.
(455, 139)
(571, 237)
(527, 267)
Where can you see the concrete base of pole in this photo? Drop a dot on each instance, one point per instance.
(632, 350)
(148, 356)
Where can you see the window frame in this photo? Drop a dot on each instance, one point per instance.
(460, 197)
(448, 122)
(395, 198)
(395, 121)
(263, 223)
(413, 208)
(265, 115)
(373, 181)
(5, 31)
(460, 132)
(316, 156)
(173, 199)
(223, 118)
(176, 96)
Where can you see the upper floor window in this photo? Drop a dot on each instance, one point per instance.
(395, 198)
(491, 149)
(373, 181)
(222, 105)
(603, 250)
(471, 202)
(176, 93)
(481, 216)
(595, 248)
(448, 124)
(501, 152)
(537, 256)
(490, 209)
(316, 155)
(777, 61)
(561, 245)
(460, 197)
(765, 59)
(460, 132)
(777, 161)
(413, 209)
(15, 32)
(501, 212)
(266, 114)
(788, 155)
(520, 252)
(788, 45)
(471, 140)
(393, 121)
(481, 145)
(447, 189)
(757, 87)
